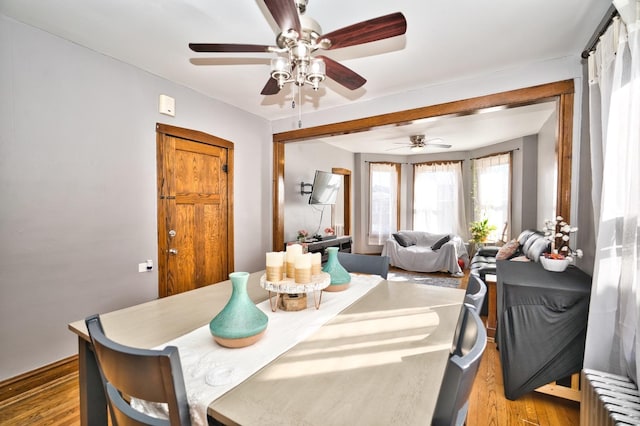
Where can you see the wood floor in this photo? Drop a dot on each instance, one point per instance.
(56, 402)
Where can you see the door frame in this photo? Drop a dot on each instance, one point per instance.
(562, 92)
(162, 192)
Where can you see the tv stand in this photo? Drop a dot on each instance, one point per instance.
(343, 244)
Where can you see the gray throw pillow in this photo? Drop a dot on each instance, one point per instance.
(403, 240)
(442, 241)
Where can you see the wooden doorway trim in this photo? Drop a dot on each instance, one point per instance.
(167, 192)
(346, 180)
(562, 92)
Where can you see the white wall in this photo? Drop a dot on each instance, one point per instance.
(302, 160)
(78, 187)
(548, 170)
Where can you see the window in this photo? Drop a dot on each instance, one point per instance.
(492, 192)
(438, 198)
(384, 201)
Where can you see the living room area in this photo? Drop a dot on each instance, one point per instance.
(507, 176)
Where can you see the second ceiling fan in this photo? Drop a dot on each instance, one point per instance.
(418, 143)
(301, 37)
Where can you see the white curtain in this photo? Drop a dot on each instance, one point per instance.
(438, 199)
(383, 201)
(612, 331)
(492, 192)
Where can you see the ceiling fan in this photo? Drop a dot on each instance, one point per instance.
(301, 37)
(418, 143)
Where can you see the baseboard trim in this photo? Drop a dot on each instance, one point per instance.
(25, 382)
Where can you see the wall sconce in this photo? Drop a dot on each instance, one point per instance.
(303, 186)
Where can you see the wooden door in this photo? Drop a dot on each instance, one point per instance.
(195, 219)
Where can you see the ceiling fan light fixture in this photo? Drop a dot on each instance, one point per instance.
(317, 71)
(417, 148)
(280, 70)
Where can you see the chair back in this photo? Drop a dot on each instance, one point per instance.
(462, 368)
(149, 375)
(364, 263)
(476, 292)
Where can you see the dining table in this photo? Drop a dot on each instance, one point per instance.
(372, 354)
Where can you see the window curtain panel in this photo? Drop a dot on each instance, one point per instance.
(383, 202)
(612, 331)
(438, 199)
(492, 192)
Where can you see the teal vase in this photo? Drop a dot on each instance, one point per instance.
(340, 278)
(240, 323)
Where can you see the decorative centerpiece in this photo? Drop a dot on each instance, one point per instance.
(559, 232)
(340, 278)
(240, 323)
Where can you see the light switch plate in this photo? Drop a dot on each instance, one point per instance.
(167, 105)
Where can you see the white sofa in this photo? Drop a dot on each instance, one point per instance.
(418, 253)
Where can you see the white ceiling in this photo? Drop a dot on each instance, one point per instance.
(446, 40)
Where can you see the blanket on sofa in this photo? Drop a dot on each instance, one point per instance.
(419, 252)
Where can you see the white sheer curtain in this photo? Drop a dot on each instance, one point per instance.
(492, 192)
(383, 201)
(612, 331)
(438, 199)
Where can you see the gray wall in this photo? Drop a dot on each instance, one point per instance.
(78, 187)
(301, 162)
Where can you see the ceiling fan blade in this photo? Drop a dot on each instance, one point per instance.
(271, 88)
(398, 147)
(438, 145)
(228, 47)
(341, 74)
(367, 31)
(285, 13)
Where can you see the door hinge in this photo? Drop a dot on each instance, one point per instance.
(225, 168)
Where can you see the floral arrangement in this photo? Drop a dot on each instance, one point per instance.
(559, 233)
(329, 231)
(302, 234)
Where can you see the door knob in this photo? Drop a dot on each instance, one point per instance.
(172, 233)
(173, 251)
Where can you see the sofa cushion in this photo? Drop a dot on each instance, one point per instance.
(534, 247)
(524, 236)
(442, 241)
(488, 251)
(403, 239)
(508, 250)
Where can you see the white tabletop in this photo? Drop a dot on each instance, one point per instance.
(380, 361)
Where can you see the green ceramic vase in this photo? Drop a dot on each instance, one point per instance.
(340, 278)
(240, 323)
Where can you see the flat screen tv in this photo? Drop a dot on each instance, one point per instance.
(325, 188)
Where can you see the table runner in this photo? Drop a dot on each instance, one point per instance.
(211, 370)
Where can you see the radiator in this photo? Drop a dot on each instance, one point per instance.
(608, 399)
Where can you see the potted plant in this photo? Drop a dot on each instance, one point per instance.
(480, 230)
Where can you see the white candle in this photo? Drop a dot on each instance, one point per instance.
(316, 263)
(275, 258)
(275, 269)
(302, 273)
(293, 250)
(303, 261)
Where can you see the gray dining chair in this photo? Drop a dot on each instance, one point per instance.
(364, 263)
(476, 292)
(149, 375)
(461, 371)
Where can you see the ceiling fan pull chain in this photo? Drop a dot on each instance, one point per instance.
(299, 107)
